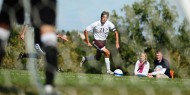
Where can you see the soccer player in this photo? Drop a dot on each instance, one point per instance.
(37, 41)
(100, 30)
(43, 15)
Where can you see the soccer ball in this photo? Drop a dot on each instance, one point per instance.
(118, 72)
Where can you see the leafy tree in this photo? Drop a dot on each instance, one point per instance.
(147, 25)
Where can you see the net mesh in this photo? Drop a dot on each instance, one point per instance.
(70, 79)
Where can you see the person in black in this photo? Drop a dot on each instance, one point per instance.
(163, 62)
(43, 17)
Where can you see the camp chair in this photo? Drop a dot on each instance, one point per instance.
(172, 73)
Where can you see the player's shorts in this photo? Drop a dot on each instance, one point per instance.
(42, 12)
(11, 11)
(99, 44)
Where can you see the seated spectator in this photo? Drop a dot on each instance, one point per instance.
(163, 62)
(142, 66)
(159, 72)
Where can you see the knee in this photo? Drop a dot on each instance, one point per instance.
(107, 54)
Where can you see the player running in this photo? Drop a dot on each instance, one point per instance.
(37, 42)
(100, 30)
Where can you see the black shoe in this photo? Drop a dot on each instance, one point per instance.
(20, 56)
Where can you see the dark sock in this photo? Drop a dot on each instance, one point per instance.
(2, 52)
(51, 67)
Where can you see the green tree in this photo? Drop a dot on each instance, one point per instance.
(147, 25)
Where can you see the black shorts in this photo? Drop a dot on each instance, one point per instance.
(99, 44)
(12, 10)
(42, 12)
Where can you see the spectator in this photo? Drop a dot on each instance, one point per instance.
(158, 72)
(163, 62)
(142, 65)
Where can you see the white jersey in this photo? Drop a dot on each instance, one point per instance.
(100, 31)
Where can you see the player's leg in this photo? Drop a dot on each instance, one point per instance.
(92, 57)
(86, 58)
(4, 35)
(2, 52)
(98, 55)
(107, 60)
(44, 14)
(11, 12)
(4, 30)
(38, 43)
(98, 45)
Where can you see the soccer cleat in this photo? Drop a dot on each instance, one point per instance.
(110, 72)
(20, 56)
(82, 61)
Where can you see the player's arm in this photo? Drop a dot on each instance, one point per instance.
(117, 39)
(23, 31)
(63, 37)
(112, 27)
(86, 38)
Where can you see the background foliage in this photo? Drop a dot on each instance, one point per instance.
(147, 25)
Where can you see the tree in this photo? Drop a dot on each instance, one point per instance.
(147, 25)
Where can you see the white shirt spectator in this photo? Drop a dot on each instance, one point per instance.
(145, 68)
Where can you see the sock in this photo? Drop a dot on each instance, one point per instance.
(107, 60)
(51, 66)
(2, 52)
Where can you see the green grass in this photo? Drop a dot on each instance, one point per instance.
(17, 82)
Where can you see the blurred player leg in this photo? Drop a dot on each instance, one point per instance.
(11, 12)
(185, 4)
(87, 58)
(43, 17)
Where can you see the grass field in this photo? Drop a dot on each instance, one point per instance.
(19, 82)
